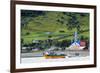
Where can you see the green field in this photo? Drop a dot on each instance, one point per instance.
(43, 25)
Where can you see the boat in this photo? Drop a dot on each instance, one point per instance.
(53, 55)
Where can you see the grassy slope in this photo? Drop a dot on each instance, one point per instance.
(40, 25)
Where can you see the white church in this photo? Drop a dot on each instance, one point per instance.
(75, 45)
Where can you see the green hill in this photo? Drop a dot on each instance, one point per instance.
(42, 25)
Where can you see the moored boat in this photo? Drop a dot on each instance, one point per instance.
(53, 55)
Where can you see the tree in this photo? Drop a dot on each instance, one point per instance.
(73, 22)
(22, 40)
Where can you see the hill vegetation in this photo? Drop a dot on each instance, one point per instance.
(59, 26)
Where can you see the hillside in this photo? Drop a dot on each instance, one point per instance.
(43, 25)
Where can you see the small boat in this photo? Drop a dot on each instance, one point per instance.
(52, 55)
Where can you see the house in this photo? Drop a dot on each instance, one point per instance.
(82, 43)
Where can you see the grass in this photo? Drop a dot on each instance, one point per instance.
(38, 26)
(55, 35)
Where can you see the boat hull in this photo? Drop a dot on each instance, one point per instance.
(53, 57)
